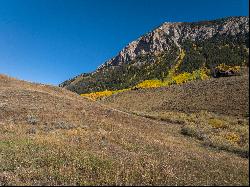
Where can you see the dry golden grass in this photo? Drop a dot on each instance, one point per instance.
(50, 136)
(217, 131)
(228, 96)
(185, 104)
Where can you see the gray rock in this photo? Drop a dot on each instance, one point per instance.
(169, 34)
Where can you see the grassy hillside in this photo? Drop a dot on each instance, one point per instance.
(213, 111)
(225, 95)
(50, 136)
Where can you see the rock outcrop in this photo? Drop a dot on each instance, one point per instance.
(162, 38)
(212, 43)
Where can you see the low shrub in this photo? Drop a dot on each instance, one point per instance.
(220, 132)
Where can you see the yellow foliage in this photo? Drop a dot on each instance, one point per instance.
(204, 73)
(216, 123)
(149, 84)
(224, 67)
(172, 78)
(185, 77)
(177, 65)
(176, 79)
(235, 138)
(200, 74)
(182, 78)
(97, 95)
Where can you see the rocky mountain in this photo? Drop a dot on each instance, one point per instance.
(205, 43)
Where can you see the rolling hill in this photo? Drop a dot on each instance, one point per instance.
(225, 95)
(51, 136)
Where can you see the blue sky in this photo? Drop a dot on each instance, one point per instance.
(49, 41)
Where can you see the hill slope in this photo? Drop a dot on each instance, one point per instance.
(214, 111)
(206, 44)
(50, 136)
(227, 96)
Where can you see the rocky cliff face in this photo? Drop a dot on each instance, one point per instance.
(218, 41)
(162, 38)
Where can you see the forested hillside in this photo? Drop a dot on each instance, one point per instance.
(205, 46)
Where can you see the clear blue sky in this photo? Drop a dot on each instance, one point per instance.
(49, 41)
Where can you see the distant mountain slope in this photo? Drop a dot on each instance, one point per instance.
(51, 136)
(206, 44)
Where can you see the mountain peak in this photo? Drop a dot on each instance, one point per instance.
(167, 40)
(170, 33)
